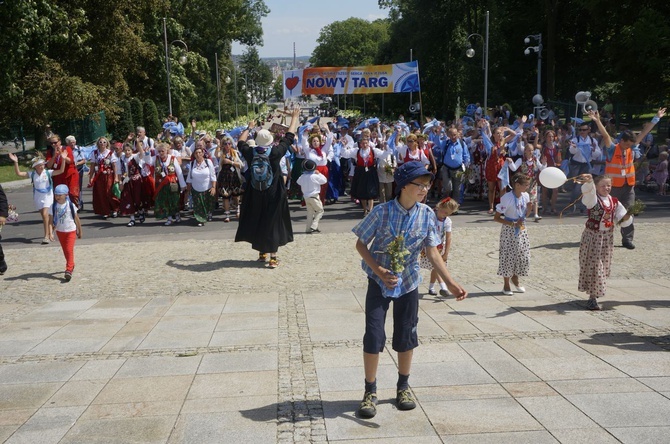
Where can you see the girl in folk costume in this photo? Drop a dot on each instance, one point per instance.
(43, 185)
(427, 149)
(595, 249)
(531, 167)
(169, 180)
(147, 173)
(511, 212)
(444, 208)
(496, 151)
(320, 152)
(202, 186)
(230, 177)
(365, 183)
(129, 168)
(551, 152)
(102, 178)
(411, 152)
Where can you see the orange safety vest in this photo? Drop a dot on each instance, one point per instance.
(621, 168)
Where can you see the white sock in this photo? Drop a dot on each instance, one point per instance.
(443, 286)
(432, 286)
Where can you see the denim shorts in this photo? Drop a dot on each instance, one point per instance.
(405, 320)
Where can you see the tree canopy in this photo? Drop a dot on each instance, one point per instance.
(614, 50)
(69, 58)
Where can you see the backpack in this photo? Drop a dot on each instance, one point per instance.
(53, 209)
(261, 172)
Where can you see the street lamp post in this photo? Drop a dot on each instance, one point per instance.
(485, 59)
(218, 82)
(538, 50)
(182, 60)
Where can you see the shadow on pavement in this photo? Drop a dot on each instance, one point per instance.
(557, 246)
(628, 341)
(201, 267)
(29, 276)
(298, 412)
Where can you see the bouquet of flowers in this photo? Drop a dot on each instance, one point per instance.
(636, 209)
(467, 174)
(396, 249)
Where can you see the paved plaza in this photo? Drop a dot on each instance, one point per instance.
(157, 341)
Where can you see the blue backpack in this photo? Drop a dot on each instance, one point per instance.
(261, 172)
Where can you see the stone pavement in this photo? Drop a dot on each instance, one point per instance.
(158, 342)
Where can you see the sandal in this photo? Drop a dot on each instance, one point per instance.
(226, 219)
(490, 211)
(273, 262)
(261, 257)
(130, 224)
(142, 218)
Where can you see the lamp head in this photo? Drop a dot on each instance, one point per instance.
(527, 50)
(182, 59)
(526, 41)
(470, 52)
(227, 79)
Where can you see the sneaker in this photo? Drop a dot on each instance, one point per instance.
(538, 218)
(368, 407)
(177, 219)
(261, 257)
(432, 291)
(168, 223)
(315, 230)
(273, 263)
(200, 224)
(592, 304)
(519, 289)
(115, 214)
(45, 241)
(444, 293)
(404, 400)
(131, 223)
(68, 276)
(3, 267)
(507, 292)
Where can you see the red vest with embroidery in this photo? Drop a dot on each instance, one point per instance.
(597, 213)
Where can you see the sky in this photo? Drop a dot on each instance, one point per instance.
(300, 21)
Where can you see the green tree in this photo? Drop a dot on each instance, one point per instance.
(278, 87)
(152, 122)
(137, 112)
(352, 42)
(125, 124)
(257, 75)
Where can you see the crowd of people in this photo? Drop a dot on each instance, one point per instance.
(400, 164)
(177, 174)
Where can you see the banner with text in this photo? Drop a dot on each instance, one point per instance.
(396, 78)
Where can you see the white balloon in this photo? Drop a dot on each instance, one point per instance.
(552, 177)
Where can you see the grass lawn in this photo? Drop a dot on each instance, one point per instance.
(7, 174)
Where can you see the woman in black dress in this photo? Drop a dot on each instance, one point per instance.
(265, 221)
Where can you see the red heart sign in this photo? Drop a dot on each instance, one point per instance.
(292, 82)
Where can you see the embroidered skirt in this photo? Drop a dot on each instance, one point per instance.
(595, 259)
(202, 204)
(514, 256)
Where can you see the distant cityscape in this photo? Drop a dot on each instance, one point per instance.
(279, 64)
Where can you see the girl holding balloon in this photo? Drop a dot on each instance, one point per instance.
(595, 250)
(511, 212)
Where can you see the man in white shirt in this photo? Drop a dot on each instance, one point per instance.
(584, 149)
(142, 137)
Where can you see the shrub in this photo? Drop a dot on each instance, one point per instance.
(152, 122)
(137, 112)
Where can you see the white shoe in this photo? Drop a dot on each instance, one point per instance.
(45, 241)
(519, 289)
(507, 292)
